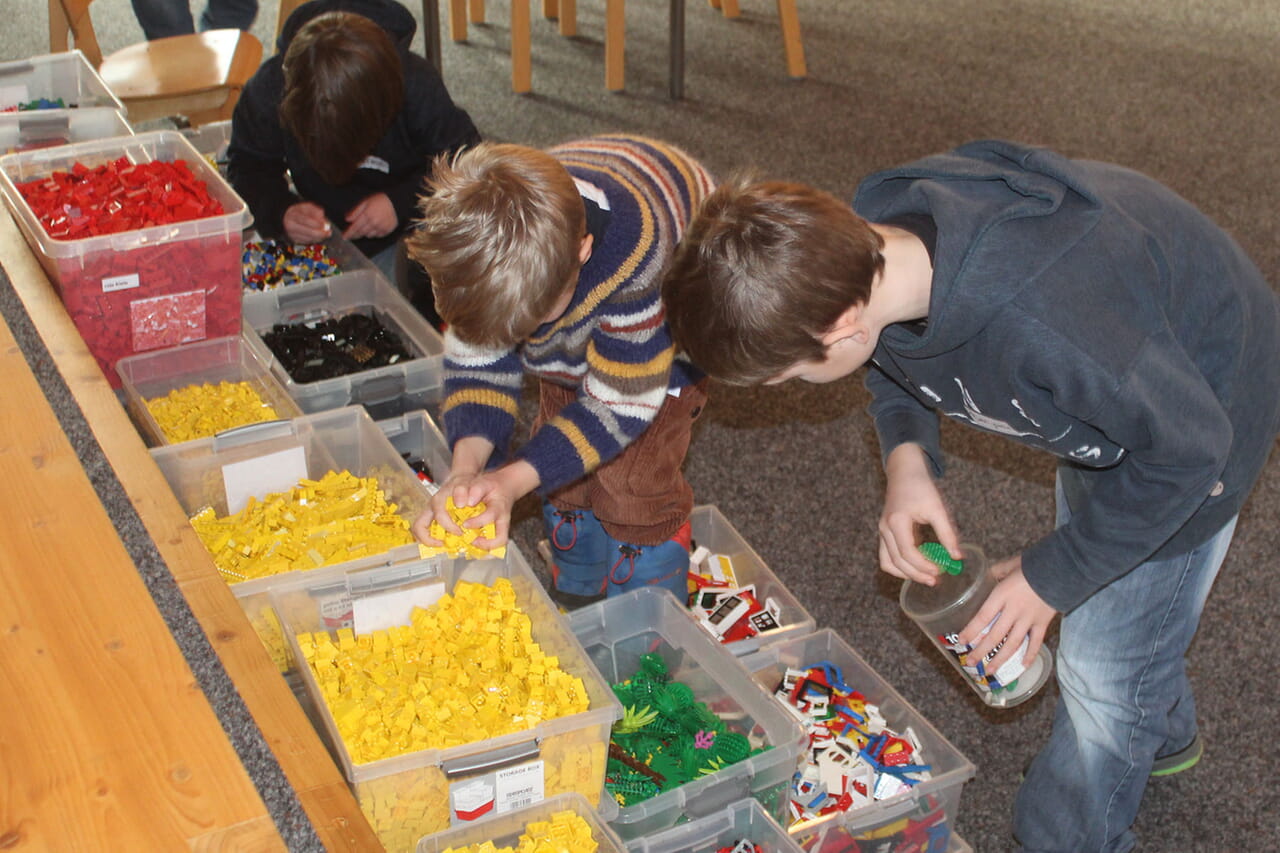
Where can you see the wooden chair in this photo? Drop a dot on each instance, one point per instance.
(615, 36)
(789, 19)
(286, 9)
(199, 76)
(460, 11)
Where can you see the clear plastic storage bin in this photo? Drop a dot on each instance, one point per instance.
(154, 374)
(385, 391)
(505, 830)
(211, 140)
(417, 439)
(713, 530)
(617, 632)
(934, 801)
(745, 820)
(67, 76)
(410, 796)
(199, 472)
(50, 128)
(146, 289)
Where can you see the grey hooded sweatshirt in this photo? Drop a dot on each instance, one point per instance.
(1085, 309)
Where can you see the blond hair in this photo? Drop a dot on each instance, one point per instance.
(500, 235)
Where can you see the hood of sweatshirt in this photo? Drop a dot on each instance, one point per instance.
(991, 200)
(388, 14)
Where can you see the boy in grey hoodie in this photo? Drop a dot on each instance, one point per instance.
(1073, 306)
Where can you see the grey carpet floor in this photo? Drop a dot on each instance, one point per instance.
(1188, 92)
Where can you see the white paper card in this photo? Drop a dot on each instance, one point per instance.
(381, 610)
(520, 786)
(262, 475)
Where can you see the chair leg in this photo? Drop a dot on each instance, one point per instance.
(521, 49)
(729, 8)
(714, 4)
(458, 20)
(550, 9)
(568, 17)
(615, 35)
(675, 61)
(791, 42)
(477, 11)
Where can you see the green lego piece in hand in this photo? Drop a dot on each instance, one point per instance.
(939, 556)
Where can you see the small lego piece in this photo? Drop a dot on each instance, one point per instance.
(937, 554)
(463, 545)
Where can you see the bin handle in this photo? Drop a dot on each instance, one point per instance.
(392, 576)
(492, 760)
(376, 389)
(29, 123)
(16, 67)
(248, 433)
(290, 298)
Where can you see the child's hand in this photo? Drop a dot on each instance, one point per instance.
(497, 490)
(456, 487)
(1018, 612)
(912, 500)
(305, 222)
(375, 216)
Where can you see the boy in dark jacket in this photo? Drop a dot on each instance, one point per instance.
(354, 118)
(1073, 306)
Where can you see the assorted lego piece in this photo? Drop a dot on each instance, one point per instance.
(564, 832)
(36, 104)
(925, 830)
(338, 346)
(269, 264)
(317, 523)
(466, 669)
(419, 467)
(117, 196)
(464, 545)
(854, 758)
(666, 737)
(199, 411)
(727, 610)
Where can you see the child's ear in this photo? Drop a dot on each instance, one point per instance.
(584, 249)
(851, 325)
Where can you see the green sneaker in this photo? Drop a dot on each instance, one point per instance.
(1183, 759)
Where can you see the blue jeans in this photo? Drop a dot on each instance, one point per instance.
(163, 18)
(1124, 700)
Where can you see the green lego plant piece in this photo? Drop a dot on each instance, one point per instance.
(634, 719)
(937, 554)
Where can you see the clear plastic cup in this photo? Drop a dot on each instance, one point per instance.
(943, 610)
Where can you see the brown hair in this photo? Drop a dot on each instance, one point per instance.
(500, 234)
(343, 86)
(764, 270)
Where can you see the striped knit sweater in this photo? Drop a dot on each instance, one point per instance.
(612, 344)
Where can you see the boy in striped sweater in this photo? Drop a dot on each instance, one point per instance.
(550, 263)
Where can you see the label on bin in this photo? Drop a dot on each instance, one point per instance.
(262, 475)
(382, 610)
(119, 282)
(501, 791)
